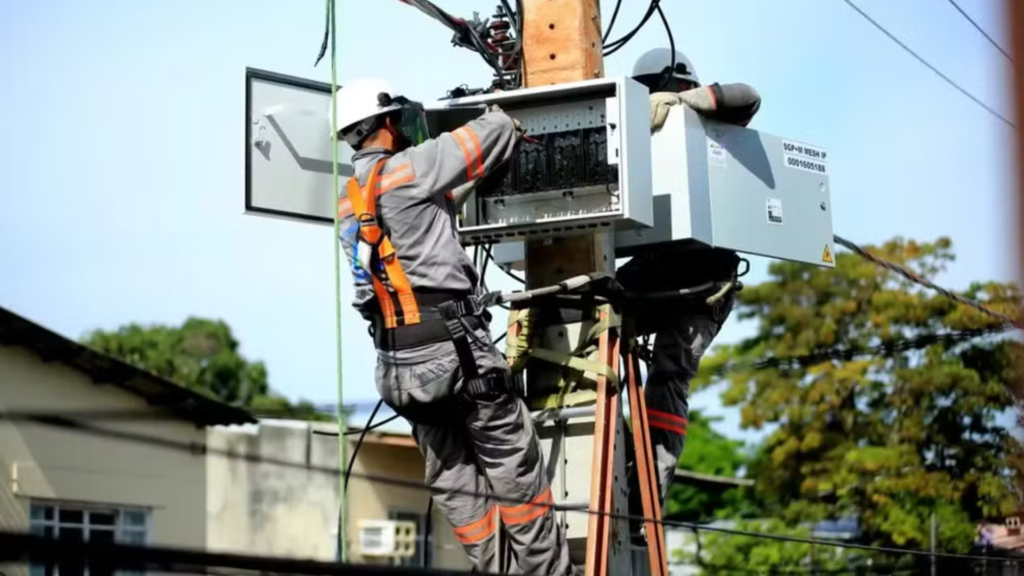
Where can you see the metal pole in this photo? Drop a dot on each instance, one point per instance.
(933, 544)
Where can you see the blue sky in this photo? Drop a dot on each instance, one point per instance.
(121, 162)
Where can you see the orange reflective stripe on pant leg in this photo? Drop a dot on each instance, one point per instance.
(512, 515)
(666, 421)
(476, 531)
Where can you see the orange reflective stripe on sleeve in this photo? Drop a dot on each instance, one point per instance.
(477, 150)
(460, 139)
(400, 283)
(512, 515)
(470, 144)
(400, 175)
(476, 531)
(666, 421)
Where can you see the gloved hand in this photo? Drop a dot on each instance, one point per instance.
(519, 126)
(699, 99)
(461, 193)
(661, 102)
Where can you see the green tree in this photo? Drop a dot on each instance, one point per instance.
(202, 355)
(888, 436)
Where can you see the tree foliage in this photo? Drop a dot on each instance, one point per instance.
(888, 438)
(202, 355)
(707, 452)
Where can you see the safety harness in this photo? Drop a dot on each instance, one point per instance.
(410, 318)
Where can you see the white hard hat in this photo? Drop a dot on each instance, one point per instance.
(361, 100)
(659, 60)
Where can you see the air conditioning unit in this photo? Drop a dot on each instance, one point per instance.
(387, 538)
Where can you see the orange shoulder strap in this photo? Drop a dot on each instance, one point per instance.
(364, 208)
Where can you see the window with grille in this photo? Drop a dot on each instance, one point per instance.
(423, 552)
(87, 524)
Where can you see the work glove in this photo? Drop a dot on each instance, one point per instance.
(700, 99)
(519, 126)
(661, 102)
(461, 193)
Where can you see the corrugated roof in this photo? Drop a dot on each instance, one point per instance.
(159, 392)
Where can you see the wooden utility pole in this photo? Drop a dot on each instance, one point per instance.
(562, 43)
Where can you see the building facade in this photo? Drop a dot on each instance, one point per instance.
(278, 495)
(82, 485)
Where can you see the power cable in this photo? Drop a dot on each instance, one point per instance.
(614, 46)
(21, 547)
(980, 29)
(913, 277)
(611, 23)
(846, 354)
(387, 420)
(928, 65)
(671, 48)
(509, 273)
(359, 443)
(202, 449)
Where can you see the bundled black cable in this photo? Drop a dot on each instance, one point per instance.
(615, 45)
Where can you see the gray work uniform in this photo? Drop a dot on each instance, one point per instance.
(475, 447)
(683, 331)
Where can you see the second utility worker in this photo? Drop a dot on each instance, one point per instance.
(682, 330)
(436, 363)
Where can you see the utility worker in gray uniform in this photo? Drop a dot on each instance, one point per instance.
(682, 329)
(436, 363)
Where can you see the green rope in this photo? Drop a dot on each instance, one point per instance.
(342, 511)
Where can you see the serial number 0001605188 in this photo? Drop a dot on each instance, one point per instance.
(795, 162)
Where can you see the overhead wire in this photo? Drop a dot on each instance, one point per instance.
(203, 449)
(917, 279)
(928, 65)
(616, 45)
(611, 23)
(671, 48)
(980, 29)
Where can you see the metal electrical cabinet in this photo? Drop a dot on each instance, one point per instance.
(731, 187)
(586, 165)
(736, 188)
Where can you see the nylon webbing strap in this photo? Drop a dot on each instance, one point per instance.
(461, 341)
(519, 350)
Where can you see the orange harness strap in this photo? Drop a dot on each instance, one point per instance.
(398, 290)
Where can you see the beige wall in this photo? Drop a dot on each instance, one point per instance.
(373, 500)
(50, 463)
(263, 508)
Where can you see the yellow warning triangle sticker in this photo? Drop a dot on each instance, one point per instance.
(827, 256)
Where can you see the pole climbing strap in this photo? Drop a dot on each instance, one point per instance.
(520, 348)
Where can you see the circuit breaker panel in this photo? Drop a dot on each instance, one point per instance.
(585, 164)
